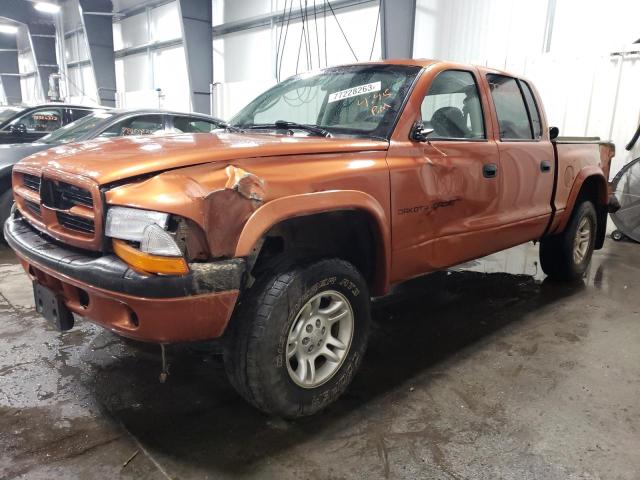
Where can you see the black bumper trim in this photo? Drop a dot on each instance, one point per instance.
(109, 272)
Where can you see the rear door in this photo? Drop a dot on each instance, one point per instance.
(526, 158)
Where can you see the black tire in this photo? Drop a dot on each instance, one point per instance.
(617, 235)
(6, 200)
(255, 352)
(557, 252)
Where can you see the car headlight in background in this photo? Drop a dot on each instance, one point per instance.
(158, 251)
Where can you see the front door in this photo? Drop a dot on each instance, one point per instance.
(445, 193)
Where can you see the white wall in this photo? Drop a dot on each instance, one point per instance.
(245, 62)
(577, 77)
(29, 84)
(139, 75)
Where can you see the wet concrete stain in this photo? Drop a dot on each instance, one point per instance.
(489, 371)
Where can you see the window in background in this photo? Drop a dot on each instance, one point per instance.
(160, 65)
(77, 113)
(164, 23)
(190, 125)
(142, 125)
(41, 120)
(452, 106)
(510, 107)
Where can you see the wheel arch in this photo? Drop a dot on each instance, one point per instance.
(323, 207)
(590, 184)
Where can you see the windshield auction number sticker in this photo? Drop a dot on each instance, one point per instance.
(355, 91)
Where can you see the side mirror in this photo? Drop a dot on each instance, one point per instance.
(553, 133)
(18, 129)
(419, 133)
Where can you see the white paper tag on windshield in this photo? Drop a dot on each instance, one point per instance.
(355, 91)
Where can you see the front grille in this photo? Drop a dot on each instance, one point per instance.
(63, 196)
(33, 207)
(31, 182)
(61, 206)
(76, 223)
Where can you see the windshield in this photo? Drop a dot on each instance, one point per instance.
(353, 100)
(75, 130)
(7, 112)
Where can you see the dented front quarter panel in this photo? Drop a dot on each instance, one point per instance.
(224, 198)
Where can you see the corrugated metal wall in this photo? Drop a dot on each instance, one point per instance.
(577, 77)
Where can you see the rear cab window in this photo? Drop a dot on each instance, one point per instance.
(512, 110)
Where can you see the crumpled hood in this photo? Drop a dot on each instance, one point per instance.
(109, 160)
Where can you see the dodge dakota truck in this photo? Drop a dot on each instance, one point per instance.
(323, 192)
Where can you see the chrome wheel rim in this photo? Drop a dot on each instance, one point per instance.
(319, 339)
(582, 241)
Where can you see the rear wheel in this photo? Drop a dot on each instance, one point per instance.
(567, 256)
(298, 337)
(6, 200)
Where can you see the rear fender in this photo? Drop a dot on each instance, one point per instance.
(591, 173)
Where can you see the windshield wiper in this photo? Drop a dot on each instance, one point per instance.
(229, 128)
(284, 125)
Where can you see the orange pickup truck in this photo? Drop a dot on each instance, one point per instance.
(322, 192)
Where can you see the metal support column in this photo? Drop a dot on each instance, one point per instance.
(97, 23)
(198, 48)
(398, 20)
(9, 71)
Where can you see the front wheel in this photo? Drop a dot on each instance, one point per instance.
(567, 256)
(298, 338)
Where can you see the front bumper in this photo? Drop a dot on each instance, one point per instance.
(102, 288)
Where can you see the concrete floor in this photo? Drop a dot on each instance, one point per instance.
(489, 372)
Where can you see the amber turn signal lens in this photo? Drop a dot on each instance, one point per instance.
(149, 263)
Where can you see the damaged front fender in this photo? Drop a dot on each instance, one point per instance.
(220, 201)
(227, 210)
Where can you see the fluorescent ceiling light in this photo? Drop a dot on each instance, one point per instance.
(47, 7)
(4, 28)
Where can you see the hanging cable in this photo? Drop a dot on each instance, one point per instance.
(341, 30)
(284, 13)
(324, 10)
(375, 33)
(301, 37)
(308, 36)
(284, 42)
(315, 23)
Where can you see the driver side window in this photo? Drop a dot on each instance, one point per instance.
(44, 121)
(452, 107)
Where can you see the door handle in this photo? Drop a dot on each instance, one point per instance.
(545, 166)
(489, 170)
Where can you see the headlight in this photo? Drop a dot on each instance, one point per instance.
(143, 226)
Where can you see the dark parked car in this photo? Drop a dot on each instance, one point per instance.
(101, 124)
(28, 124)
